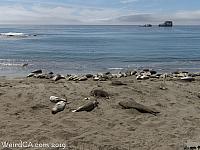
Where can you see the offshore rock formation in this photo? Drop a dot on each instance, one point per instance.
(166, 24)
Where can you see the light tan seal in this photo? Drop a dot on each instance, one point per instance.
(60, 106)
(87, 107)
(55, 99)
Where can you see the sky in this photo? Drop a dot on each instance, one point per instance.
(100, 12)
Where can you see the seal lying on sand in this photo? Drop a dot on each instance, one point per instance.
(60, 106)
(99, 93)
(55, 99)
(131, 104)
(87, 107)
(58, 77)
(37, 71)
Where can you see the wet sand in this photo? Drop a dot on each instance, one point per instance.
(25, 114)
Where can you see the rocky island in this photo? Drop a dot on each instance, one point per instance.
(166, 24)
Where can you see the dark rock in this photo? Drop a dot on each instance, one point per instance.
(146, 25)
(166, 24)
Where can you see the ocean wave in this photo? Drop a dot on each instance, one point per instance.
(10, 64)
(16, 34)
(115, 68)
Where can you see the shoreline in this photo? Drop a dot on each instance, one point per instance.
(115, 71)
(26, 112)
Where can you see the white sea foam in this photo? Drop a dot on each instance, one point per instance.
(10, 64)
(14, 34)
(115, 68)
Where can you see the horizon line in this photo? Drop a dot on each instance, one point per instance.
(96, 24)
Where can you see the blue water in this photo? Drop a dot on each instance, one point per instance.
(81, 49)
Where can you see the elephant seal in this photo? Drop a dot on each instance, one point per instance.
(58, 77)
(99, 93)
(37, 71)
(60, 106)
(87, 107)
(189, 79)
(30, 75)
(25, 65)
(132, 104)
(55, 99)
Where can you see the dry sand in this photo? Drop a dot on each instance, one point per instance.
(26, 114)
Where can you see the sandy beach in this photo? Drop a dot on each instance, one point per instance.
(26, 114)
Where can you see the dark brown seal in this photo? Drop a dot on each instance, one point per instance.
(99, 93)
(131, 104)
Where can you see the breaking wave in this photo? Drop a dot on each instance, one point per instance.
(15, 34)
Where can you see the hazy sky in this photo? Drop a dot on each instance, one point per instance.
(99, 11)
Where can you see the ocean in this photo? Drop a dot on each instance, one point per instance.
(81, 49)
